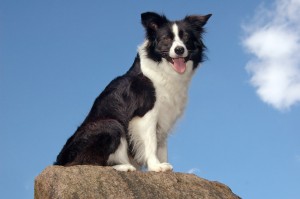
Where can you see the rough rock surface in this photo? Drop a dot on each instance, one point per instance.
(89, 182)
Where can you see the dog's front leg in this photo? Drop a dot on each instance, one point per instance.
(145, 127)
(151, 148)
(144, 139)
(162, 151)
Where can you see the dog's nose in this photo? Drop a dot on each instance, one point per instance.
(179, 50)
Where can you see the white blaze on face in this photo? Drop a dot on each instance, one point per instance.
(178, 64)
(177, 42)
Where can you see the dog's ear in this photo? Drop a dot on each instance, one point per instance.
(152, 21)
(197, 21)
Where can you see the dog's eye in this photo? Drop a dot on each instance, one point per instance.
(166, 38)
(185, 36)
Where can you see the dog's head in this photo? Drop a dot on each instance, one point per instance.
(175, 41)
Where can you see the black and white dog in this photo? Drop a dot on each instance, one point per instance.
(129, 122)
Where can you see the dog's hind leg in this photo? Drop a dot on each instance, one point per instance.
(93, 143)
(119, 159)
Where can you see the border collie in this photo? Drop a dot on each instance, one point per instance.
(129, 122)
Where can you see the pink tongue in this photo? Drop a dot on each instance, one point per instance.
(179, 65)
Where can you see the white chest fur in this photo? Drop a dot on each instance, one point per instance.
(171, 90)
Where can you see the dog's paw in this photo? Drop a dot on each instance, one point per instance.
(161, 167)
(124, 167)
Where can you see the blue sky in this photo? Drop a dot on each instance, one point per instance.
(241, 126)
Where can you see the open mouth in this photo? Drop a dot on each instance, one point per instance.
(178, 64)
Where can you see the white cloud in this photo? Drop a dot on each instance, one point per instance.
(193, 170)
(273, 37)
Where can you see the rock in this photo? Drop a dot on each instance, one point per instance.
(89, 182)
